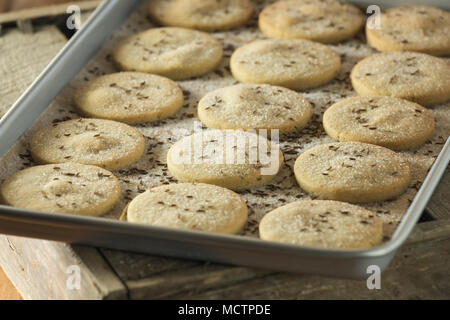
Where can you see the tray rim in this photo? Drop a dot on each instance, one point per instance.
(51, 224)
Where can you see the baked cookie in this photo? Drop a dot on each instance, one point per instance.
(206, 15)
(104, 143)
(66, 188)
(246, 106)
(353, 172)
(322, 223)
(412, 28)
(232, 159)
(327, 21)
(203, 207)
(294, 64)
(409, 75)
(175, 53)
(389, 122)
(129, 97)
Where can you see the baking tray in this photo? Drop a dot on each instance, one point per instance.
(228, 249)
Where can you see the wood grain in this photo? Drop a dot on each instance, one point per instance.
(429, 245)
(41, 269)
(7, 289)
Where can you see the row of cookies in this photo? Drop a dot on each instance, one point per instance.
(378, 128)
(83, 189)
(411, 28)
(139, 96)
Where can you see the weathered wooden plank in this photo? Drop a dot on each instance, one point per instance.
(430, 230)
(439, 205)
(158, 278)
(419, 271)
(190, 281)
(108, 283)
(7, 289)
(41, 270)
(133, 266)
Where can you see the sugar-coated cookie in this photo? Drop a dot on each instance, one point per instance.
(66, 187)
(130, 97)
(327, 21)
(176, 53)
(393, 123)
(353, 172)
(203, 207)
(232, 159)
(409, 75)
(412, 28)
(294, 64)
(246, 106)
(206, 15)
(322, 223)
(104, 143)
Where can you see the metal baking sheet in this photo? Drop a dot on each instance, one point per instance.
(32, 110)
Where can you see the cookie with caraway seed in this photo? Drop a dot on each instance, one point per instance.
(63, 188)
(327, 21)
(129, 97)
(175, 53)
(412, 28)
(393, 123)
(206, 15)
(246, 106)
(324, 224)
(412, 76)
(294, 64)
(352, 172)
(232, 159)
(202, 207)
(108, 144)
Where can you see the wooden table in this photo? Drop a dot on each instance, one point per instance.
(421, 269)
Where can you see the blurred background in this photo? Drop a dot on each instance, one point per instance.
(13, 5)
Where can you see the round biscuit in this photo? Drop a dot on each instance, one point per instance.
(63, 188)
(324, 224)
(412, 28)
(232, 159)
(409, 75)
(294, 64)
(203, 207)
(206, 15)
(130, 97)
(393, 123)
(352, 172)
(245, 106)
(108, 144)
(175, 53)
(327, 21)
